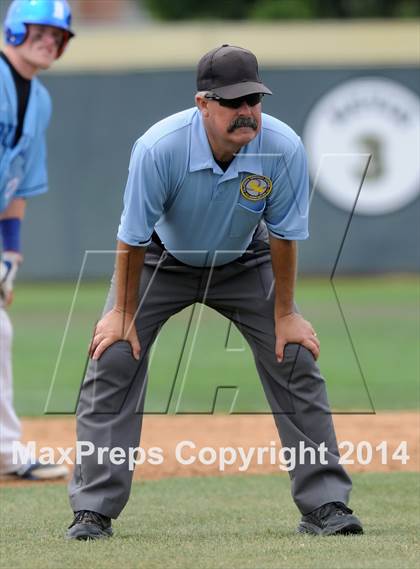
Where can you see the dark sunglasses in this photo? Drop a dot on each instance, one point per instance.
(250, 100)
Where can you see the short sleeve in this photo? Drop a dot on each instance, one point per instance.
(286, 213)
(35, 180)
(144, 198)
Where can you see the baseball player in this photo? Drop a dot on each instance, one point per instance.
(36, 33)
(216, 198)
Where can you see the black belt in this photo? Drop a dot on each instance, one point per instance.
(156, 239)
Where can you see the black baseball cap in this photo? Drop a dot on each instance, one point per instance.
(230, 72)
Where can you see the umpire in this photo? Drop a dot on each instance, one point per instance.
(216, 198)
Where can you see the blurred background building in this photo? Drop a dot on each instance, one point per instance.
(261, 10)
(345, 76)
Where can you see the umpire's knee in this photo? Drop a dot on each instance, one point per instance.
(108, 380)
(304, 363)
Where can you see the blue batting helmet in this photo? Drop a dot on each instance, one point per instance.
(55, 13)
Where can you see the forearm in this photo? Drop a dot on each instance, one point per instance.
(10, 227)
(16, 209)
(290, 327)
(284, 260)
(10, 247)
(129, 265)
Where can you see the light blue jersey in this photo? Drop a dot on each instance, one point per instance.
(23, 170)
(203, 215)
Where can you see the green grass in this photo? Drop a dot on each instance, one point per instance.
(382, 316)
(244, 522)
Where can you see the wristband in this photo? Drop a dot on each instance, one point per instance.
(10, 232)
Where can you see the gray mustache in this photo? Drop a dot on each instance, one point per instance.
(243, 122)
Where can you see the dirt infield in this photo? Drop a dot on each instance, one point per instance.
(219, 432)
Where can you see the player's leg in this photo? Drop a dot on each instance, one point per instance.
(294, 388)
(14, 459)
(112, 396)
(10, 431)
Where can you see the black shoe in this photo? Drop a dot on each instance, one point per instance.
(333, 518)
(89, 525)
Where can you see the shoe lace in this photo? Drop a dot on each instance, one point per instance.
(332, 508)
(89, 517)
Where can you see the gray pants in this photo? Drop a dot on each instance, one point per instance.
(110, 408)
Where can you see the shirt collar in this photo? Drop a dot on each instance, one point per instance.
(32, 109)
(201, 156)
(10, 92)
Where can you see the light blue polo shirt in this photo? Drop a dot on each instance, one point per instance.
(205, 216)
(23, 171)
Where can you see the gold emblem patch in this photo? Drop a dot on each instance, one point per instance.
(256, 187)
